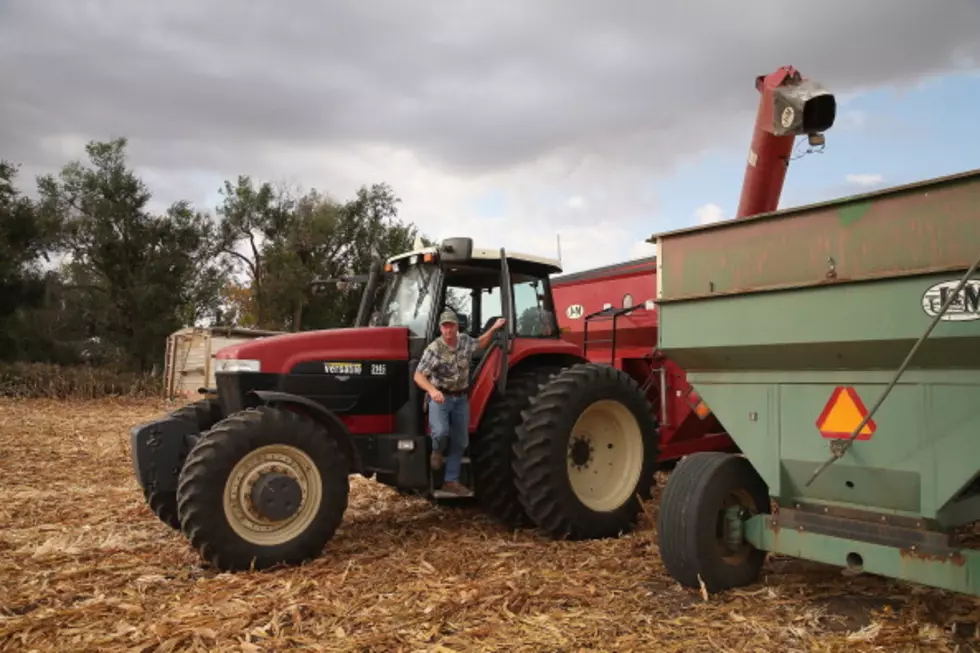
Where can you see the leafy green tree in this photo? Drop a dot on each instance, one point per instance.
(251, 218)
(26, 240)
(283, 243)
(362, 229)
(143, 275)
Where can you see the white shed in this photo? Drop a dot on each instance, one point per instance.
(189, 362)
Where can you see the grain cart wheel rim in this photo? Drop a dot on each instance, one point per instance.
(605, 455)
(732, 547)
(275, 460)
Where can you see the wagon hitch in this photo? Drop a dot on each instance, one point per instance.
(838, 451)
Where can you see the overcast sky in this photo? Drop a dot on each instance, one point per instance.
(511, 120)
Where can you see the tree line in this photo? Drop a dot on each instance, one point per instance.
(90, 275)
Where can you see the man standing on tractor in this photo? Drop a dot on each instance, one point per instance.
(444, 373)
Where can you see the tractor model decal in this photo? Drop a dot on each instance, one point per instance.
(355, 368)
(343, 369)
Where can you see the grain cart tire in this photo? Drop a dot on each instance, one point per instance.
(265, 486)
(586, 453)
(204, 414)
(492, 451)
(692, 525)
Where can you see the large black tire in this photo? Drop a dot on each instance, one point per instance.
(163, 504)
(299, 447)
(691, 524)
(586, 479)
(492, 451)
(204, 414)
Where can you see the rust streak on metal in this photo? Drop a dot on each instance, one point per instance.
(955, 557)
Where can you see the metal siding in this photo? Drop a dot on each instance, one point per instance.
(930, 227)
(190, 364)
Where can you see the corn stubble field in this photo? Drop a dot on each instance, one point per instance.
(84, 566)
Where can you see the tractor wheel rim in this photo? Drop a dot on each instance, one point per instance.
(242, 515)
(605, 455)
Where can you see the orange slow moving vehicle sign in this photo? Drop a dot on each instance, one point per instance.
(842, 414)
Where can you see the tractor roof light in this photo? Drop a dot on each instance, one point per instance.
(236, 366)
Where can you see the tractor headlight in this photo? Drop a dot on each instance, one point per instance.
(227, 365)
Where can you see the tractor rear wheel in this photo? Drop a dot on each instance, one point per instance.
(492, 450)
(263, 487)
(204, 414)
(586, 453)
(708, 497)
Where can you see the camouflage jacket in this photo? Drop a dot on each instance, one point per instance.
(446, 368)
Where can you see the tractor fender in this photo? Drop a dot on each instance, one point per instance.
(158, 449)
(335, 427)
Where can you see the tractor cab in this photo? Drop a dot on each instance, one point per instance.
(479, 286)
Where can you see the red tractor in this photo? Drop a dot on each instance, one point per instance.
(259, 475)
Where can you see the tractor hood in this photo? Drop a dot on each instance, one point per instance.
(282, 354)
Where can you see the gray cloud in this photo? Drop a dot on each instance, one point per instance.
(585, 98)
(467, 85)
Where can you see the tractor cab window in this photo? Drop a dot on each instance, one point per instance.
(473, 292)
(410, 299)
(460, 300)
(530, 310)
(490, 310)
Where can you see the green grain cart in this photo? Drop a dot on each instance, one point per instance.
(839, 344)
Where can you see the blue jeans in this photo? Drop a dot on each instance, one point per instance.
(449, 422)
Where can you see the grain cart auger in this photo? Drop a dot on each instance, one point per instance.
(851, 386)
(265, 481)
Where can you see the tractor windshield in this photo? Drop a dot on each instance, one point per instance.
(410, 299)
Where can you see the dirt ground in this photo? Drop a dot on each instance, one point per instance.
(84, 566)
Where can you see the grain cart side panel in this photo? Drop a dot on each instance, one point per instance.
(930, 226)
(793, 325)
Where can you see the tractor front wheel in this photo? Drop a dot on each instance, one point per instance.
(708, 497)
(263, 487)
(586, 453)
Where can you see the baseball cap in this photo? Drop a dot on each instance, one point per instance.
(448, 316)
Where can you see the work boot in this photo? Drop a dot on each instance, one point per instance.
(453, 489)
